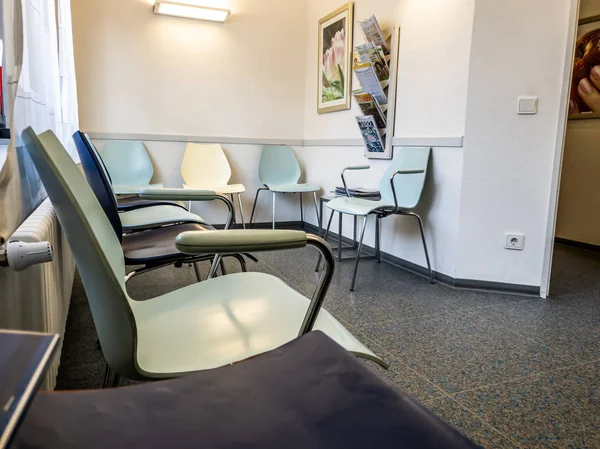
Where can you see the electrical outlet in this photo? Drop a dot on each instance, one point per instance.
(515, 241)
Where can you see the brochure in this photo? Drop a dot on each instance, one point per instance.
(370, 106)
(369, 82)
(373, 33)
(370, 134)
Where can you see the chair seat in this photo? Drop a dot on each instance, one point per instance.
(228, 188)
(225, 320)
(294, 188)
(133, 189)
(357, 206)
(156, 245)
(156, 216)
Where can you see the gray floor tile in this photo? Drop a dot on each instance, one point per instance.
(468, 424)
(408, 380)
(571, 328)
(557, 410)
(458, 350)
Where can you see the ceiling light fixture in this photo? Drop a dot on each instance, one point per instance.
(189, 11)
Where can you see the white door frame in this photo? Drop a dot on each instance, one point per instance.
(560, 145)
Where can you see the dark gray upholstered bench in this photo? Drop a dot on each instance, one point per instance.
(308, 394)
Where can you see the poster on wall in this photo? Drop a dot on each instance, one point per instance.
(585, 90)
(335, 60)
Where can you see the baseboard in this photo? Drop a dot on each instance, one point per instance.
(575, 244)
(467, 284)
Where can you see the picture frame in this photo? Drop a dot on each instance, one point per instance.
(589, 28)
(334, 85)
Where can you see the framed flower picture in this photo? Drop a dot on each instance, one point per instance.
(335, 60)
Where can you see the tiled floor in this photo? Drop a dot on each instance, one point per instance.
(507, 371)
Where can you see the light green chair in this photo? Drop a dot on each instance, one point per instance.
(207, 325)
(128, 165)
(279, 172)
(401, 188)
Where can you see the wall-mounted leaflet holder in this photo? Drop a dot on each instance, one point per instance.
(376, 68)
(21, 255)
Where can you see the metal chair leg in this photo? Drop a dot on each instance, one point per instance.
(108, 374)
(223, 269)
(214, 267)
(234, 214)
(273, 211)
(254, 205)
(197, 271)
(241, 210)
(301, 211)
(377, 238)
(319, 222)
(360, 243)
(325, 238)
(340, 235)
(431, 279)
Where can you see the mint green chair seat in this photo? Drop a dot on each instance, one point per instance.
(401, 188)
(214, 323)
(279, 172)
(128, 165)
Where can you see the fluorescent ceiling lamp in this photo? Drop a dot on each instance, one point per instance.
(191, 11)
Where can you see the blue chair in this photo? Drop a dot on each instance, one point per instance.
(128, 165)
(279, 172)
(401, 188)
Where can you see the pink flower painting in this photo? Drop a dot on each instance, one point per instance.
(334, 61)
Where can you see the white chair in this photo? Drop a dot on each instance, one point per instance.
(206, 167)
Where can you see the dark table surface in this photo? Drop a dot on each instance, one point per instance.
(24, 358)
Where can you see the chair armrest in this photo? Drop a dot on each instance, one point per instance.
(352, 168)
(402, 172)
(150, 193)
(133, 189)
(239, 241)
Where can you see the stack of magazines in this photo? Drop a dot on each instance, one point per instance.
(371, 66)
(359, 192)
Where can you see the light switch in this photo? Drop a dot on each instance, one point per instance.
(528, 105)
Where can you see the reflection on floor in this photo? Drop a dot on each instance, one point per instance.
(507, 371)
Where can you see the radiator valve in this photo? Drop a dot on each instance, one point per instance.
(21, 255)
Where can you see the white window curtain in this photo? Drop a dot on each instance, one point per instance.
(34, 77)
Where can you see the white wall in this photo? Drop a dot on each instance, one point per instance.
(433, 73)
(518, 49)
(463, 64)
(142, 73)
(139, 73)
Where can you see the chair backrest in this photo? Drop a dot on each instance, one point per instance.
(99, 180)
(205, 165)
(278, 166)
(409, 187)
(96, 249)
(127, 162)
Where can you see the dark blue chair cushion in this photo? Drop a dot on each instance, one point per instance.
(310, 393)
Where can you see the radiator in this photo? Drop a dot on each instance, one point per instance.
(37, 299)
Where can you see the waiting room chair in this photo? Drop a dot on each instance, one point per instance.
(129, 166)
(401, 188)
(206, 325)
(279, 172)
(152, 247)
(206, 167)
